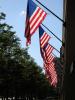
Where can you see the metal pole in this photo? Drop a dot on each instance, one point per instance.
(52, 33)
(51, 12)
(55, 49)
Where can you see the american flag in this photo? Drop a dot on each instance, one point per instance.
(44, 37)
(35, 16)
(49, 58)
(51, 73)
(48, 49)
(46, 55)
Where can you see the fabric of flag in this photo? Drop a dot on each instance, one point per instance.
(47, 73)
(49, 59)
(35, 16)
(47, 56)
(51, 73)
(44, 37)
(46, 53)
(48, 49)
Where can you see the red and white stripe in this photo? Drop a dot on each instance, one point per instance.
(48, 50)
(53, 74)
(47, 73)
(54, 82)
(51, 71)
(35, 20)
(43, 54)
(44, 39)
(50, 58)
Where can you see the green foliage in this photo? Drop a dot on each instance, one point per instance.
(20, 76)
(2, 15)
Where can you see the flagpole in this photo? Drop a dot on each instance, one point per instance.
(55, 49)
(57, 59)
(52, 33)
(52, 12)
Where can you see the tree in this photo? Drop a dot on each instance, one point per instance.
(20, 76)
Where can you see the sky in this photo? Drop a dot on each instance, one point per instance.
(15, 11)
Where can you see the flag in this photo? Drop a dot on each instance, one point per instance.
(43, 37)
(35, 16)
(46, 54)
(48, 49)
(49, 59)
(51, 73)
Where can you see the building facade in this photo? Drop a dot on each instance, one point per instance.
(69, 50)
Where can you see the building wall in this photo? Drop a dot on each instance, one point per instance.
(69, 79)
